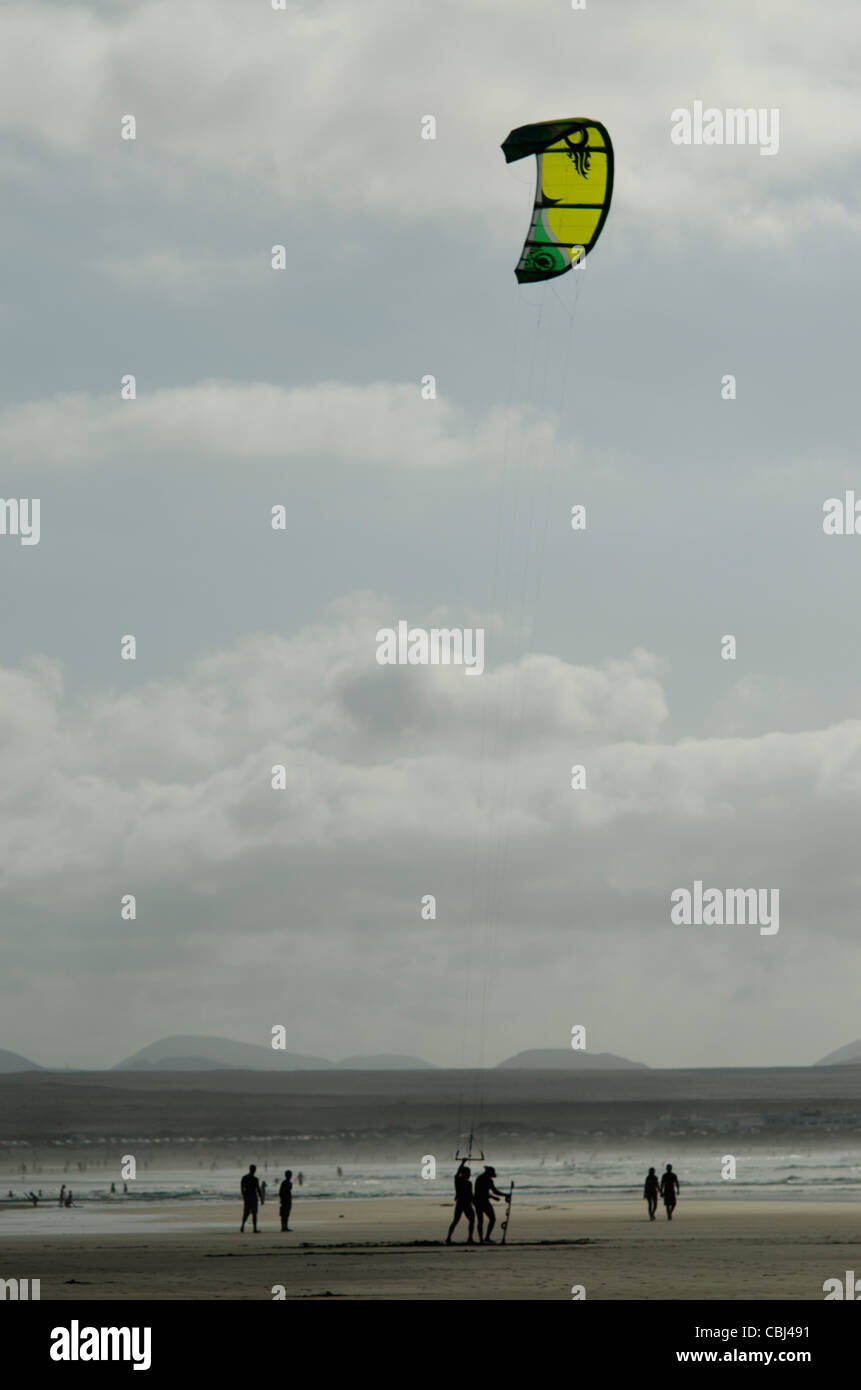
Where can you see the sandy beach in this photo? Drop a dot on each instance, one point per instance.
(792, 1221)
(724, 1249)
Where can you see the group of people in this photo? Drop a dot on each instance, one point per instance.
(36, 1197)
(254, 1195)
(667, 1187)
(475, 1203)
(472, 1201)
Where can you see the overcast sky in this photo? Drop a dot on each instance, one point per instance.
(302, 387)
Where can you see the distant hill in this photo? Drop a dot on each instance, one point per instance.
(175, 1064)
(210, 1054)
(383, 1061)
(843, 1056)
(12, 1061)
(567, 1059)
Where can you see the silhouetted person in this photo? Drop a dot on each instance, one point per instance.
(462, 1203)
(285, 1198)
(669, 1188)
(650, 1192)
(68, 1201)
(62, 1196)
(263, 1192)
(33, 1198)
(300, 1179)
(486, 1191)
(250, 1188)
(113, 1188)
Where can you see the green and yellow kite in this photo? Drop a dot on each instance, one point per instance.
(572, 197)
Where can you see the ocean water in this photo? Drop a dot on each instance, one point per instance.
(826, 1174)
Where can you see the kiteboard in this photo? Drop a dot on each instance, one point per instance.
(507, 1214)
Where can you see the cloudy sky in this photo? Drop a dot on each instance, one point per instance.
(301, 387)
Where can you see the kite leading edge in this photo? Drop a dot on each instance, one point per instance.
(572, 195)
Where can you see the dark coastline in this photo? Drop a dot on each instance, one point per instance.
(541, 1110)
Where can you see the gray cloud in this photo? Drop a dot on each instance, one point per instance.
(165, 792)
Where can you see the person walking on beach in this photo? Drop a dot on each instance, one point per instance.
(250, 1188)
(62, 1195)
(650, 1192)
(485, 1192)
(462, 1203)
(285, 1198)
(669, 1188)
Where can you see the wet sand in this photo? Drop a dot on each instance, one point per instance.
(382, 1249)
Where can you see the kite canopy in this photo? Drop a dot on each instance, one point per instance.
(573, 192)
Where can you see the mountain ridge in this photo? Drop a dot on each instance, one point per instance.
(14, 1062)
(844, 1056)
(194, 1052)
(200, 1053)
(570, 1059)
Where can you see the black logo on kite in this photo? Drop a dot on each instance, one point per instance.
(579, 152)
(541, 260)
